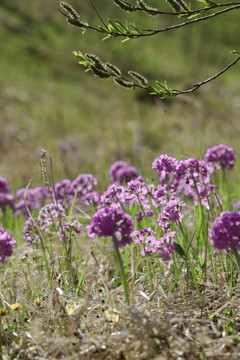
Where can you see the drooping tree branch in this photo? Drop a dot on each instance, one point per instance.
(129, 31)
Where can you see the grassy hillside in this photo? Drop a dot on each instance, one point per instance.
(48, 101)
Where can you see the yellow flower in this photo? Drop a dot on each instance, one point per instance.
(37, 302)
(71, 309)
(15, 306)
(112, 315)
(3, 312)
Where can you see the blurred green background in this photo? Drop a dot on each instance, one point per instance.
(48, 101)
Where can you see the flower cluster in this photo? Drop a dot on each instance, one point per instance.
(69, 227)
(163, 246)
(44, 220)
(225, 231)
(7, 243)
(121, 172)
(112, 222)
(35, 199)
(223, 154)
(6, 199)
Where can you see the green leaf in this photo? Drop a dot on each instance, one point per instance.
(194, 16)
(125, 6)
(124, 83)
(140, 78)
(72, 12)
(114, 69)
(181, 252)
(100, 73)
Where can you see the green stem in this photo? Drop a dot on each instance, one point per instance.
(237, 256)
(120, 264)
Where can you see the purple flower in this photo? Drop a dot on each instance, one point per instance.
(121, 172)
(4, 185)
(163, 246)
(83, 184)
(92, 197)
(113, 196)
(6, 200)
(223, 154)
(48, 213)
(69, 227)
(146, 237)
(44, 220)
(7, 243)
(225, 231)
(164, 166)
(112, 222)
(35, 199)
(126, 174)
(170, 213)
(192, 171)
(114, 168)
(30, 233)
(62, 189)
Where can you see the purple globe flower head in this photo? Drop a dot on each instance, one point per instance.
(113, 196)
(4, 185)
(170, 213)
(6, 200)
(126, 174)
(92, 197)
(164, 166)
(48, 213)
(7, 243)
(35, 199)
(225, 231)
(114, 168)
(223, 154)
(30, 233)
(112, 222)
(165, 246)
(83, 184)
(62, 189)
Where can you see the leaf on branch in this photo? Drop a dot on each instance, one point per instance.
(77, 23)
(183, 5)
(102, 74)
(114, 69)
(125, 6)
(71, 11)
(94, 60)
(124, 83)
(174, 5)
(140, 78)
(148, 9)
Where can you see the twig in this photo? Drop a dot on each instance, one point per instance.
(196, 86)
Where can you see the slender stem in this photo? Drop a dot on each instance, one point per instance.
(120, 264)
(237, 256)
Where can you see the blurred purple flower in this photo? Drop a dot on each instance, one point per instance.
(164, 166)
(121, 172)
(223, 154)
(4, 185)
(7, 243)
(114, 168)
(6, 200)
(83, 184)
(225, 231)
(68, 227)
